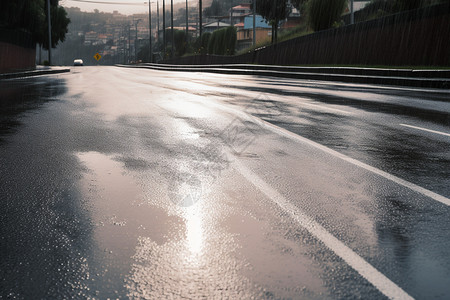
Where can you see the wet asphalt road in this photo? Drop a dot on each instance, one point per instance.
(142, 184)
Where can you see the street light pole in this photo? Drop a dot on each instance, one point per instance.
(171, 22)
(150, 56)
(49, 34)
(254, 23)
(187, 24)
(200, 18)
(157, 21)
(164, 28)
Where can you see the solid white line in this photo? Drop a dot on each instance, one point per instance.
(346, 158)
(424, 129)
(386, 175)
(372, 275)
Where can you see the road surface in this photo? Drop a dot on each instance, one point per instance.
(143, 184)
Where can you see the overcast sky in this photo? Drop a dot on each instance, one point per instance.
(123, 9)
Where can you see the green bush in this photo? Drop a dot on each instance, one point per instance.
(223, 41)
(203, 44)
(324, 13)
(211, 43)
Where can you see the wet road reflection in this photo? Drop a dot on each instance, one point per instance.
(20, 96)
(130, 187)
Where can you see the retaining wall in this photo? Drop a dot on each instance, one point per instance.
(414, 38)
(17, 51)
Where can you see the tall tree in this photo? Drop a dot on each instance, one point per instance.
(60, 23)
(273, 11)
(31, 16)
(214, 10)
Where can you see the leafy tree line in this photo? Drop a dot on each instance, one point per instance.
(378, 8)
(31, 16)
(220, 7)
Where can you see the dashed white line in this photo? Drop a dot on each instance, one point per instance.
(371, 274)
(425, 129)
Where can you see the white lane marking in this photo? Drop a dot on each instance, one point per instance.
(346, 158)
(424, 129)
(386, 175)
(371, 274)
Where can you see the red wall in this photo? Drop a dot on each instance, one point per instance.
(13, 58)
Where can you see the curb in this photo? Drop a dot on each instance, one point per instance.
(439, 79)
(32, 73)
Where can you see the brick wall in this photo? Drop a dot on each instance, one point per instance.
(17, 51)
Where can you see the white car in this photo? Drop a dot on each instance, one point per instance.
(78, 62)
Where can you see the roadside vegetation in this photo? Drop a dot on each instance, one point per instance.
(319, 15)
(31, 17)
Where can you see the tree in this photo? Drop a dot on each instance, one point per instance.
(323, 13)
(223, 41)
(299, 4)
(31, 16)
(60, 23)
(273, 11)
(214, 10)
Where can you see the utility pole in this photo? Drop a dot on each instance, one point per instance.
(157, 20)
(200, 22)
(150, 56)
(49, 34)
(171, 22)
(164, 29)
(187, 24)
(254, 23)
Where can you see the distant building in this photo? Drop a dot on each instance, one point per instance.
(239, 12)
(245, 31)
(213, 26)
(90, 37)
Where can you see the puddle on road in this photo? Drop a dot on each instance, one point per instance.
(120, 218)
(148, 252)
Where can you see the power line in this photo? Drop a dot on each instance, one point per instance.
(107, 2)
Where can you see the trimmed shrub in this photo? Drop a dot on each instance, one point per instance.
(223, 41)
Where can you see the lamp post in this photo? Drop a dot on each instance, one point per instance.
(254, 23)
(187, 24)
(49, 34)
(157, 21)
(171, 22)
(200, 18)
(164, 28)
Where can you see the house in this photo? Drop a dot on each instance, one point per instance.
(263, 31)
(239, 12)
(213, 26)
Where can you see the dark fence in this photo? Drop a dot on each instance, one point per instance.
(17, 51)
(414, 38)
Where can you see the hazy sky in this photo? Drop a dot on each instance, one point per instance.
(123, 9)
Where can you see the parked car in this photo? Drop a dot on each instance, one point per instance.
(78, 62)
